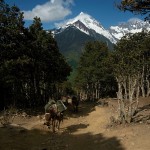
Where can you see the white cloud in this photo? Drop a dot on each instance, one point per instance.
(53, 10)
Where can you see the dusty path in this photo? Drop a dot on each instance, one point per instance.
(86, 130)
(92, 132)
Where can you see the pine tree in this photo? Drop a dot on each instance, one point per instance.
(48, 65)
(11, 46)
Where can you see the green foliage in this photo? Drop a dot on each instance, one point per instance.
(11, 48)
(129, 53)
(94, 69)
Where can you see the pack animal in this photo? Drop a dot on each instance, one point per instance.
(54, 117)
(75, 103)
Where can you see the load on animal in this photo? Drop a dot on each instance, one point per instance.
(54, 113)
(54, 110)
(71, 101)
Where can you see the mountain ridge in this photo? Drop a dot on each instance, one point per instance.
(86, 23)
(131, 26)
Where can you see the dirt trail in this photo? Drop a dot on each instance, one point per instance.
(86, 130)
(95, 122)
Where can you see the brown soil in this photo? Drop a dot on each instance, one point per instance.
(89, 129)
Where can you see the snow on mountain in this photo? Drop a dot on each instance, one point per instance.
(85, 23)
(132, 26)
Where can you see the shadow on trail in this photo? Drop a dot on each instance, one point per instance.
(85, 108)
(142, 114)
(74, 128)
(143, 108)
(18, 138)
(88, 141)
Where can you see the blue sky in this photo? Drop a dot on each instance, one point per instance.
(56, 11)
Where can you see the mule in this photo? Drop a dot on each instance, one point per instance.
(75, 103)
(72, 102)
(53, 117)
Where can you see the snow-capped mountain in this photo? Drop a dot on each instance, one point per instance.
(90, 26)
(132, 26)
(86, 24)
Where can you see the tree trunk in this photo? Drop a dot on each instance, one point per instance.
(142, 82)
(148, 87)
(125, 96)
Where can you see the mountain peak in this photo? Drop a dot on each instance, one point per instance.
(81, 13)
(85, 15)
(85, 23)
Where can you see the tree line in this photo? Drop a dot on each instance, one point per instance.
(31, 65)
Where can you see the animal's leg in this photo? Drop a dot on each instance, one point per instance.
(50, 122)
(53, 124)
(59, 123)
(62, 117)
